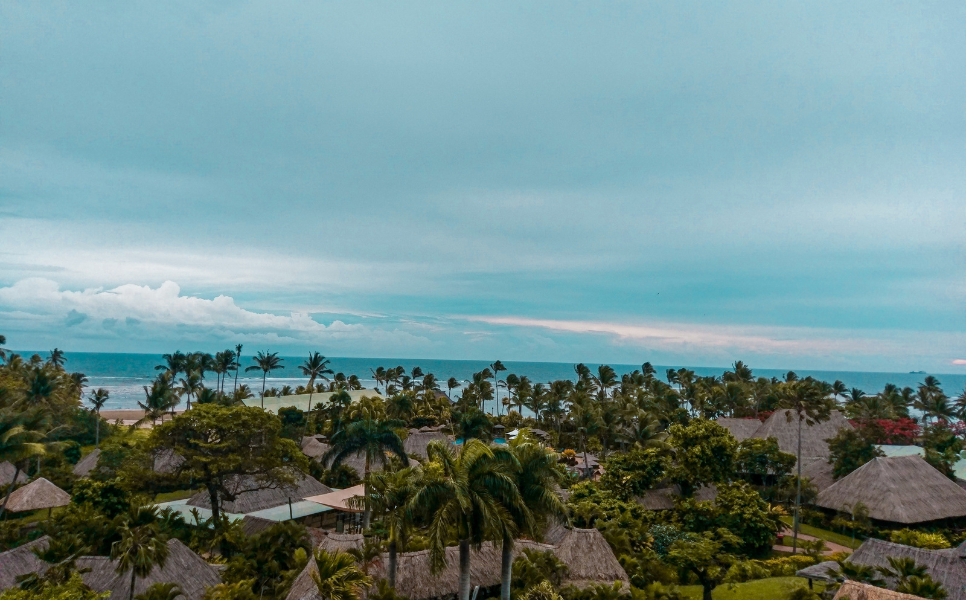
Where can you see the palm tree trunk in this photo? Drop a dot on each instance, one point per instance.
(392, 564)
(264, 375)
(798, 488)
(13, 482)
(464, 570)
(367, 514)
(133, 578)
(97, 429)
(506, 567)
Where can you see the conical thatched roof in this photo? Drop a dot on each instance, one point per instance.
(944, 566)
(342, 542)
(87, 464)
(783, 426)
(6, 474)
(313, 448)
(183, 567)
(36, 495)
(664, 498)
(590, 559)
(304, 586)
(167, 461)
(254, 525)
(248, 499)
(741, 429)
(852, 590)
(21, 561)
(819, 571)
(415, 445)
(904, 489)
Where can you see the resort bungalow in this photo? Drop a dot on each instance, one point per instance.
(904, 490)
(301, 401)
(783, 426)
(944, 566)
(585, 552)
(277, 504)
(183, 567)
(852, 590)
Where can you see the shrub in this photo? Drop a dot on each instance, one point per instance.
(919, 539)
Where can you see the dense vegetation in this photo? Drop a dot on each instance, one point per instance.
(649, 432)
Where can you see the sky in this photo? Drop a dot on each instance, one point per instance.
(782, 183)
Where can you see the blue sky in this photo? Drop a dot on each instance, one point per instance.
(686, 183)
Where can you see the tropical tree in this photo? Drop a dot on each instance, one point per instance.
(161, 591)
(468, 494)
(451, 384)
(139, 550)
(338, 577)
(158, 399)
(496, 367)
(390, 493)
(371, 436)
(266, 362)
(189, 385)
(98, 399)
(316, 367)
(538, 475)
(237, 365)
(173, 363)
(24, 434)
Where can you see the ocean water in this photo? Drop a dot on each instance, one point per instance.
(125, 375)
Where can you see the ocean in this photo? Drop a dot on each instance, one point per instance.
(125, 375)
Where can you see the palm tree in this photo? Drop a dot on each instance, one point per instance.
(57, 358)
(139, 549)
(224, 362)
(317, 366)
(238, 351)
(391, 493)
(496, 367)
(3, 352)
(379, 375)
(338, 577)
(173, 363)
(158, 399)
(23, 435)
(98, 399)
(190, 385)
(467, 494)
(538, 477)
(371, 436)
(266, 363)
(451, 384)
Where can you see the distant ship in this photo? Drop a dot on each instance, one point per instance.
(917, 372)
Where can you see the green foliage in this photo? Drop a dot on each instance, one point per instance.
(339, 578)
(107, 497)
(240, 590)
(657, 591)
(533, 567)
(541, 591)
(293, 422)
(708, 556)
(382, 591)
(73, 589)
(851, 449)
(704, 454)
(160, 591)
(623, 524)
(919, 539)
(340, 477)
(943, 447)
(269, 558)
(630, 474)
(739, 509)
(761, 460)
(604, 591)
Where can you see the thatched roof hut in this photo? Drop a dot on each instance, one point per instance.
(584, 551)
(741, 429)
(6, 474)
(36, 495)
(820, 571)
(183, 567)
(819, 471)
(254, 525)
(904, 489)
(249, 499)
(313, 447)
(416, 443)
(342, 542)
(852, 590)
(167, 461)
(86, 465)
(21, 561)
(783, 426)
(304, 586)
(944, 566)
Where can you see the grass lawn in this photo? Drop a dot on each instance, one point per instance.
(824, 534)
(773, 588)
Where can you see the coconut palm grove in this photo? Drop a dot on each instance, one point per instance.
(604, 486)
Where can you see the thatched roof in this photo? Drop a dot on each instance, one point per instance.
(259, 499)
(783, 426)
(741, 429)
(38, 494)
(341, 542)
(944, 566)
(6, 474)
(819, 571)
(314, 448)
(819, 471)
(584, 551)
(254, 525)
(183, 567)
(87, 464)
(304, 586)
(415, 445)
(903, 489)
(167, 461)
(664, 498)
(21, 561)
(852, 590)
